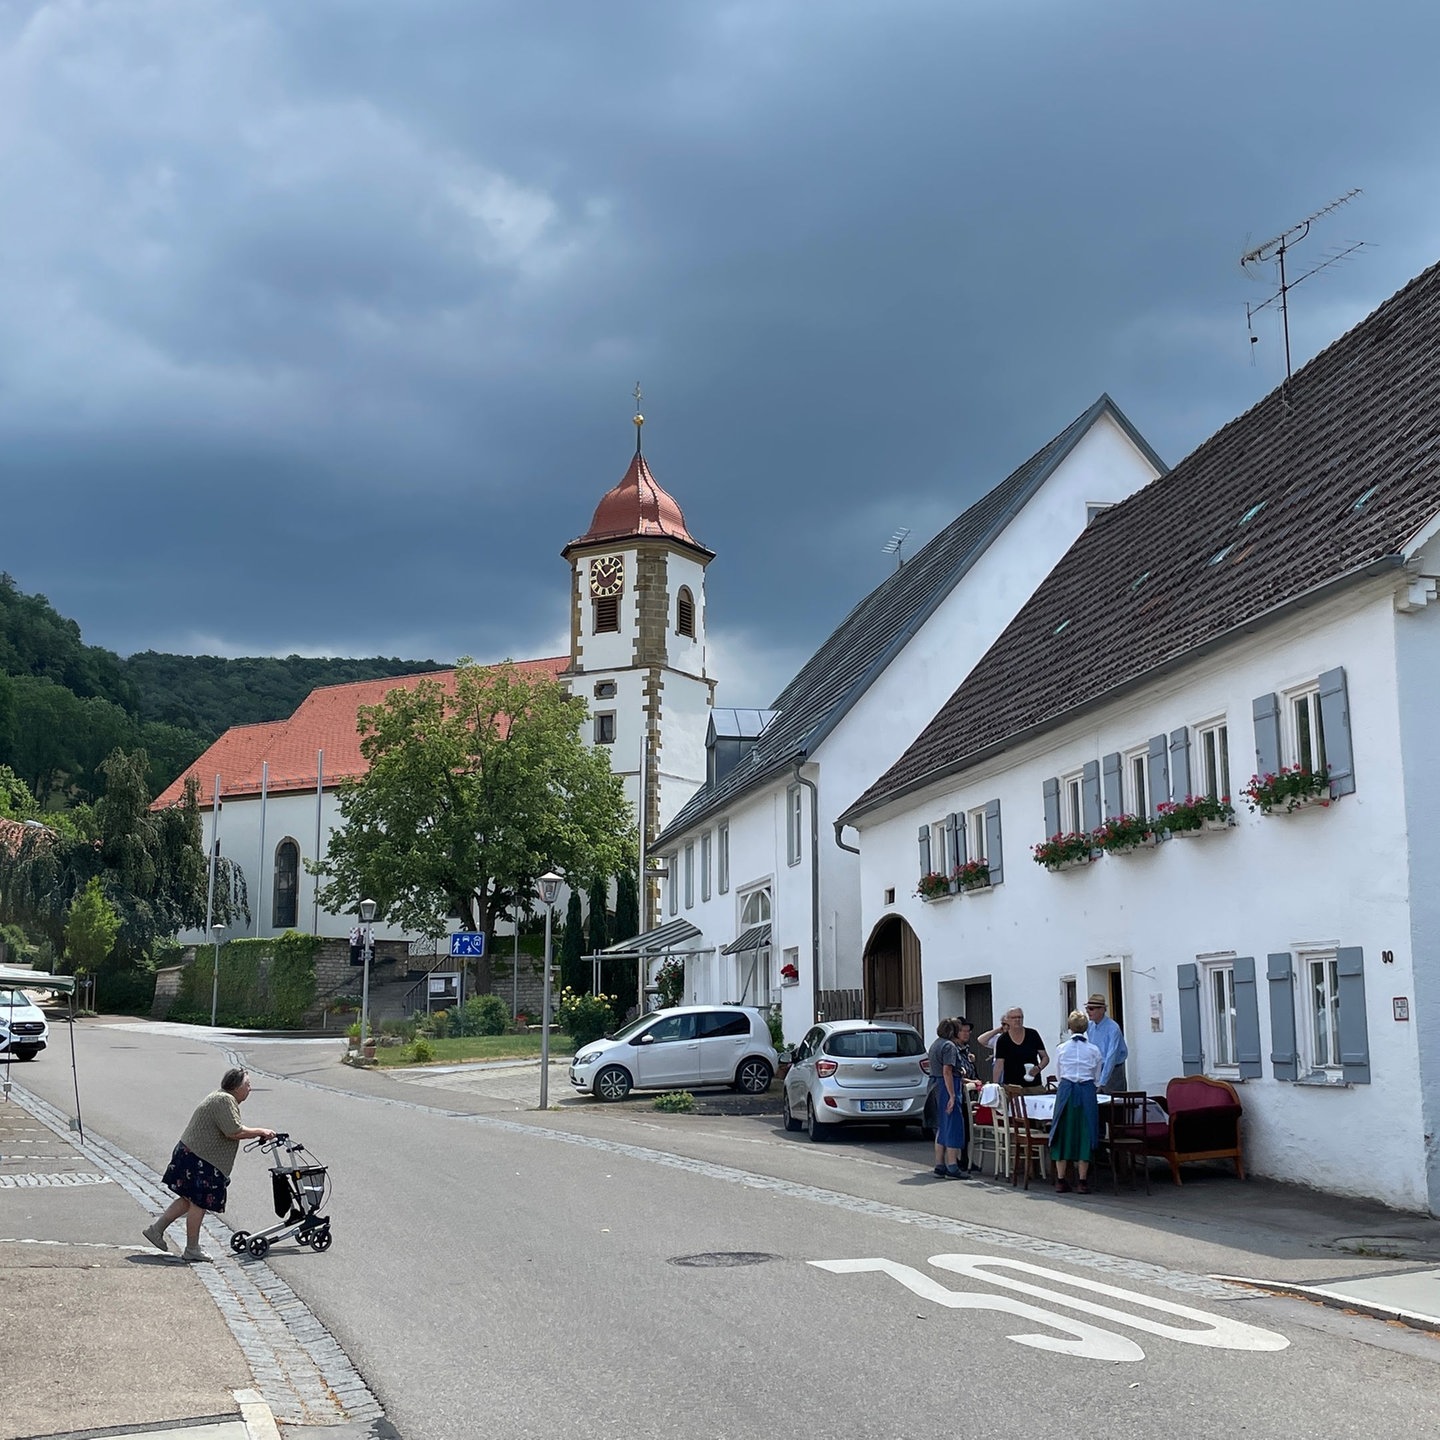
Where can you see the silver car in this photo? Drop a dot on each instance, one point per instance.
(856, 1072)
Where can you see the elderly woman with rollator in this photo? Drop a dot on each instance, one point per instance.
(1075, 1131)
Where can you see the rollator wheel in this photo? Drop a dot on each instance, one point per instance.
(240, 1241)
(320, 1240)
(259, 1247)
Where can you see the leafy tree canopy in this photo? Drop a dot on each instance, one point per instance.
(91, 928)
(470, 796)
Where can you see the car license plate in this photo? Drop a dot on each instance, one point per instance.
(870, 1106)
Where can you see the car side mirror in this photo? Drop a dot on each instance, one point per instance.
(646, 1039)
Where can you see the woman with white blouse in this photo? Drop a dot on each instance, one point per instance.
(1075, 1131)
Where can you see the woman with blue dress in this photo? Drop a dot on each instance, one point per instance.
(1075, 1131)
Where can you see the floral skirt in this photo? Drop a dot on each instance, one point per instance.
(196, 1180)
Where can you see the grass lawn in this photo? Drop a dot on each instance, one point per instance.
(479, 1047)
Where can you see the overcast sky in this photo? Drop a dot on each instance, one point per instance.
(319, 318)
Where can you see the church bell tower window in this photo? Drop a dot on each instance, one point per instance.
(607, 613)
(685, 613)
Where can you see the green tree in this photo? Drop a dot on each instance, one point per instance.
(16, 801)
(599, 931)
(618, 976)
(573, 971)
(91, 928)
(468, 790)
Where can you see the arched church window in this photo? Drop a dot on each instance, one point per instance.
(685, 613)
(287, 885)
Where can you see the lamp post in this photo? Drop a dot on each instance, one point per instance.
(217, 929)
(367, 914)
(550, 884)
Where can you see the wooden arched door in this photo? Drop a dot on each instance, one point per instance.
(892, 973)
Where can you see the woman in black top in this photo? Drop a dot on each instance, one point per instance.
(1019, 1052)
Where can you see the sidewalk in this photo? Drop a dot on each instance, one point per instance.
(109, 1335)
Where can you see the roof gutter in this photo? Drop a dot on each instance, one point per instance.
(1384, 565)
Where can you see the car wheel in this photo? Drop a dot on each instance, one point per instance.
(612, 1083)
(754, 1076)
(791, 1123)
(815, 1129)
(25, 1052)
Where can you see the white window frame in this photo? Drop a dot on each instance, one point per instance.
(722, 857)
(1302, 715)
(1135, 782)
(690, 876)
(1072, 802)
(1319, 1055)
(743, 898)
(1069, 1000)
(705, 866)
(1218, 1033)
(976, 845)
(673, 885)
(1212, 759)
(793, 813)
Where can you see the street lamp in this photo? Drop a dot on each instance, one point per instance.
(367, 914)
(217, 929)
(550, 884)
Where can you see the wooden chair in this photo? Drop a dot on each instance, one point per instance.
(1126, 1134)
(1028, 1141)
(1204, 1124)
(992, 1133)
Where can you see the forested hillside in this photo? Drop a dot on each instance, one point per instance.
(65, 705)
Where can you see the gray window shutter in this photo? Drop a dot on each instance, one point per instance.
(1111, 770)
(949, 860)
(1090, 794)
(1266, 710)
(1192, 1053)
(1284, 1057)
(924, 850)
(1354, 1033)
(1157, 764)
(1335, 720)
(1052, 808)
(1247, 1019)
(961, 853)
(1180, 764)
(994, 855)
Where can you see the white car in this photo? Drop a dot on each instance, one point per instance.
(23, 1031)
(678, 1049)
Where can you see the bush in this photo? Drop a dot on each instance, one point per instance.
(584, 1018)
(676, 1102)
(776, 1027)
(670, 982)
(481, 1015)
(422, 1052)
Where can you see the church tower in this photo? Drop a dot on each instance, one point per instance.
(637, 642)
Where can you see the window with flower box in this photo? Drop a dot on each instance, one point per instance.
(1212, 745)
(1307, 728)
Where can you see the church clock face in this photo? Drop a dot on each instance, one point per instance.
(607, 576)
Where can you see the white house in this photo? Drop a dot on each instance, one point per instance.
(638, 655)
(1270, 602)
(759, 899)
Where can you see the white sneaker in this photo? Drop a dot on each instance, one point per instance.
(195, 1256)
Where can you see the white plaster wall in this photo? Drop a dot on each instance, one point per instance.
(1104, 467)
(686, 653)
(1323, 877)
(684, 719)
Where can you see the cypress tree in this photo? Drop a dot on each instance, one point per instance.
(573, 970)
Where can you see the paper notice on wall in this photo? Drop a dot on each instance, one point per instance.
(1157, 1013)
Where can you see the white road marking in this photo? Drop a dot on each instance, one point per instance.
(1091, 1342)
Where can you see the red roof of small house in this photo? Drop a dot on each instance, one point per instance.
(327, 720)
(637, 508)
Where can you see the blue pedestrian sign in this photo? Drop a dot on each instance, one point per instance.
(469, 943)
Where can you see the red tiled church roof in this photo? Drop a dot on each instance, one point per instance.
(637, 508)
(327, 719)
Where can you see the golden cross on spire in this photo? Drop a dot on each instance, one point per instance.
(639, 418)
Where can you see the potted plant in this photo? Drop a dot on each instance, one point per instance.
(789, 975)
(1122, 834)
(934, 886)
(1065, 851)
(1288, 789)
(1195, 814)
(973, 875)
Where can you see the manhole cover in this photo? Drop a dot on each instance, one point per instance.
(722, 1259)
(1396, 1247)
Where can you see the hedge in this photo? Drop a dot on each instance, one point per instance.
(264, 984)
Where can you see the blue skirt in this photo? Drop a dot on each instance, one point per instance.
(196, 1180)
(949, 1129)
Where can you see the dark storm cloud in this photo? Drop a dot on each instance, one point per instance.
(317, 321)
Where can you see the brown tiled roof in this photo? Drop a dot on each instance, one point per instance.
(637, 508)
(1328, 475)
(327, 719)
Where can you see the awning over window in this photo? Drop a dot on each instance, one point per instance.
(757, 937)
(662, 938)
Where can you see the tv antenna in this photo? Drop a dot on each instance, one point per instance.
(893, 544)
(1275, 249)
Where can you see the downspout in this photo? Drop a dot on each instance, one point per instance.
(853, 849)
(814, 889)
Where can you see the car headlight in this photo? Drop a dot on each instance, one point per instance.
(589, 1059)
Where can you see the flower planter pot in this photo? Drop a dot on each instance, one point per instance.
(1206, 827)
(1147, 843)
(936, 899)
(976, 889)
(1300, 802)
(789, 980)
(1075, 864)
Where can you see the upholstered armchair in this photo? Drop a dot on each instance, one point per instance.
(1204, 1124)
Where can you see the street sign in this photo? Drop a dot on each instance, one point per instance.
(469, 943)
